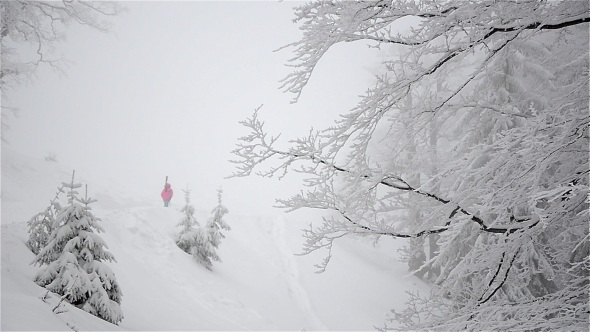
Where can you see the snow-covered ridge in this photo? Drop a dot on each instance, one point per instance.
(259, 285)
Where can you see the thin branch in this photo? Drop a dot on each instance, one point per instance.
(253, 158)
(393, 234)
(503, 280)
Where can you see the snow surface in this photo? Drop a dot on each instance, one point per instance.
(259, 285)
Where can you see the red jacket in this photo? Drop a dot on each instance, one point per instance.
(167, 193)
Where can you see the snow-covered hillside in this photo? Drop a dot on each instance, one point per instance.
(260, 285)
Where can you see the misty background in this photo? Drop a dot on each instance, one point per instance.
(162, 93)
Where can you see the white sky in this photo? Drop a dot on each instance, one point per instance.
(163, 91)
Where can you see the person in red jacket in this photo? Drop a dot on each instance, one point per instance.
(167, 193)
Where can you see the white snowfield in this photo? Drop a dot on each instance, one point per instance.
(259, 285)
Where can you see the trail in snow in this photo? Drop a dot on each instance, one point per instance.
(296, 290)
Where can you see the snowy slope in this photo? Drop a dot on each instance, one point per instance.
(260, 285)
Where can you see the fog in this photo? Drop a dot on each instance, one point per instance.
(162, 92)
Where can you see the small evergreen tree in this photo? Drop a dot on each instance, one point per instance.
(216, 222)
(209, 237)
(186, 238)
(42, 224)
(74, 260)
(204, 249)
(201, 242)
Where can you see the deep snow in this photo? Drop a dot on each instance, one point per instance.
(260, 285)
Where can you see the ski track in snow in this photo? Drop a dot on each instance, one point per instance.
(296, 290)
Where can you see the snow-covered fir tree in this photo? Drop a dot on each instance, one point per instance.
(73, 261)
(204, 249)
(216, 222)
(202, 242)
(186, 238)
(42, 224)
(500, 91)
(209, 237)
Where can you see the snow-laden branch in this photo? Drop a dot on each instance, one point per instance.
(39, 24)
(257, 149)
(325, 24)
(474, 137)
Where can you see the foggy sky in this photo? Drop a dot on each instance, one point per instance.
(163, 91)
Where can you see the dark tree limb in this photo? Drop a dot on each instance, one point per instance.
(503, 280)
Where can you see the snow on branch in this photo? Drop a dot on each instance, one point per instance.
(474, 138)
(325, 24)
(257, 149)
